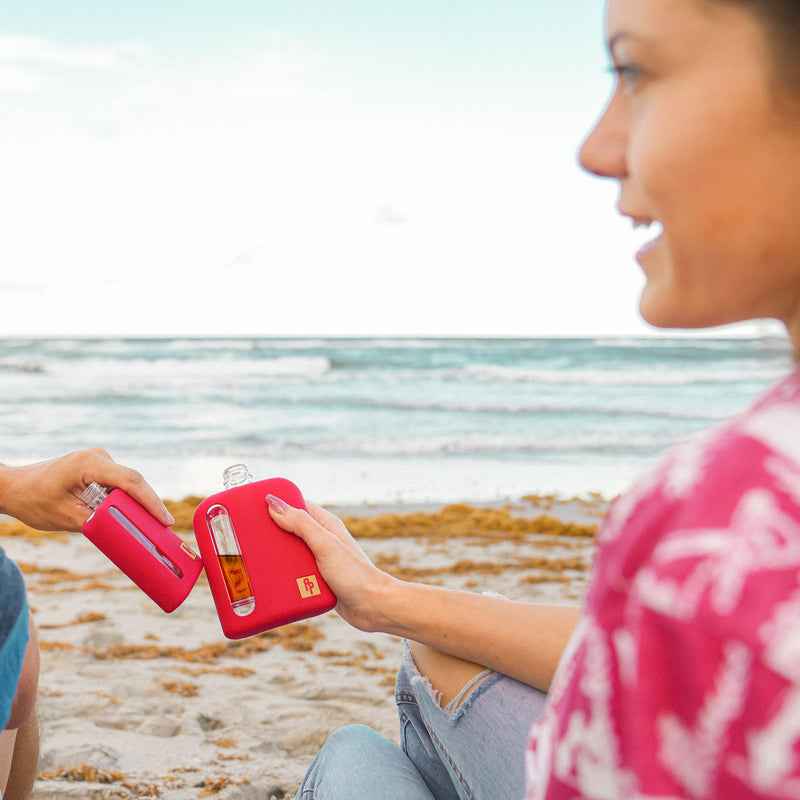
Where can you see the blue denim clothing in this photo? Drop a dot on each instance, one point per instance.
(473, 750)
(13, 633)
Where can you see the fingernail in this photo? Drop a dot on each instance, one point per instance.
(276, 504)
(169, 520)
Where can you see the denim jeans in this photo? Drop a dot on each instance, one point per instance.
(471, 750)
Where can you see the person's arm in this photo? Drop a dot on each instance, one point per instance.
(46, 495)
(522, 640)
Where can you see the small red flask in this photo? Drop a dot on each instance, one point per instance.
(152, 555)
(260, 576)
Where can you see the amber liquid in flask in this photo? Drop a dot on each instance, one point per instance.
(236, 578)
(231, 562)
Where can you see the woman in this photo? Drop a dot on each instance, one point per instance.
(682, 676)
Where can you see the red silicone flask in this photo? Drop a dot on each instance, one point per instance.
(149, 553)
(260, 576)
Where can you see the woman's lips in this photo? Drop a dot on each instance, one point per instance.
(654, 231)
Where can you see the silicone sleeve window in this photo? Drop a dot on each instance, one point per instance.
(231, 561)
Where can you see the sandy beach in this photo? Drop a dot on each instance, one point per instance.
(135, 703)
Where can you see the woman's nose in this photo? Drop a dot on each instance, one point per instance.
(604, 151)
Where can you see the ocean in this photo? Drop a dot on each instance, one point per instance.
(378, 420)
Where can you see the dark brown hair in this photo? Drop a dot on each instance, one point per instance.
(781, 20)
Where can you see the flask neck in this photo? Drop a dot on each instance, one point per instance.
(236, 475)
(93, 495)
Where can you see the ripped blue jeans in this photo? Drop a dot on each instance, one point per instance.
(471, 750)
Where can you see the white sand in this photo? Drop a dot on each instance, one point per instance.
(232, 724)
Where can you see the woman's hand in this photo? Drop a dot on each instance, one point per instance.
(346, 568)
(46, 495)
(522, 640)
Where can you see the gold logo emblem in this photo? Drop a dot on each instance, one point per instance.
(188, 550)
(308, 586)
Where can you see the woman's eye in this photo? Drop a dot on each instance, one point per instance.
(627, 75)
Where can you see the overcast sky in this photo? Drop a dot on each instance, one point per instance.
(283, 167)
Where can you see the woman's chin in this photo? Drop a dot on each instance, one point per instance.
(661, 312)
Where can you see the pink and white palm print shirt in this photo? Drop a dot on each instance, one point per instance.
(683, 677)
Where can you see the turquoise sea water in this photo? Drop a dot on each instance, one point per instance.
(378, 420)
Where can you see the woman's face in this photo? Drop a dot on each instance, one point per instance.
(703, 148)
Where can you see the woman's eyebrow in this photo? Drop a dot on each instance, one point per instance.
(617, 38)
(649, 43)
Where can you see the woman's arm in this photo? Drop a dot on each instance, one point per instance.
(46, 495)
(521, 640)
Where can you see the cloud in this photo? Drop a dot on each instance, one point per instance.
(387, 214)
(18, 286)
(38, 50)
(27, 63)
(15, 79)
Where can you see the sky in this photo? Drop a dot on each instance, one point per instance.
(307, 167)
